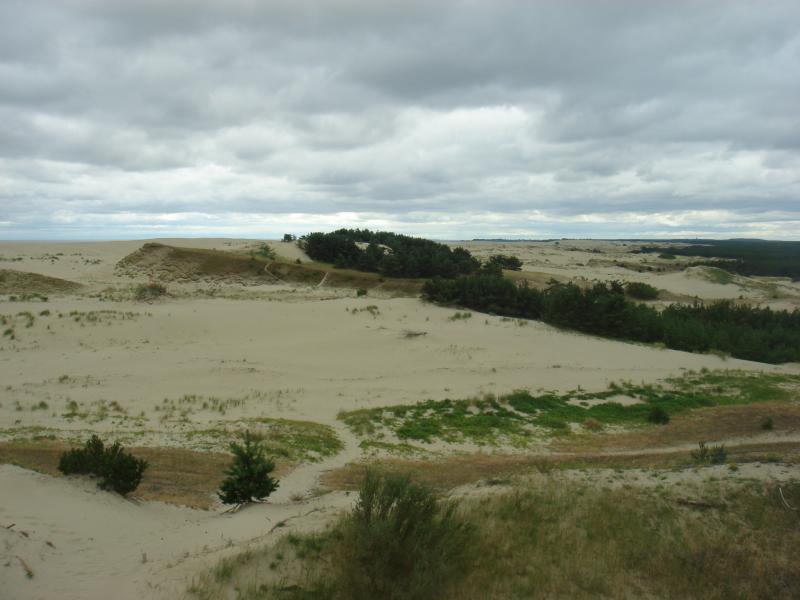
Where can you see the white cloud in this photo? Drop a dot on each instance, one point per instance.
(453, 119)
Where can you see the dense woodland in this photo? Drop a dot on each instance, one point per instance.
(745, 257)
(750, 333)
(388, 253)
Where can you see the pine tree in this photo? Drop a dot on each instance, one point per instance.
(248, 476)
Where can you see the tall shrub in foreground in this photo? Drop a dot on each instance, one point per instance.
(116, 469)
(249, 477)
(401, 543)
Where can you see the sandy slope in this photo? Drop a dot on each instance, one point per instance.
(81, 543)
(307, 352)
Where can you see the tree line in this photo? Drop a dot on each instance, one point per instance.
(388, 253)
(603, 309)
(745, 257)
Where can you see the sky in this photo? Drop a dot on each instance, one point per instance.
(446, 119)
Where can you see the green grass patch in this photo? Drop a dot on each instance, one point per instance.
(717, 275)
(514, 418)
(295, 440)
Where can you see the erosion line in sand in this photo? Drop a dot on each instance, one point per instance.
(271, 274)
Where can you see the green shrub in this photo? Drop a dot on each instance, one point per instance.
(361, 292)
(401, 543)
(641, 291)
(505, 261)
(715, 455)
(658, 416)
(265, 251)
(116, 470)
(248, 476)
(767, 424)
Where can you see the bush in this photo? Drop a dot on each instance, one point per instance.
(149, 291)
(767, 424)
(715, 455)
(248, 476)
(117, 470)
(264, 251)
(400, 542)
(505, 261)
(361, 292)
(641, 291)
(658, 416)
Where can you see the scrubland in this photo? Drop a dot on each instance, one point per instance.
(571, 463)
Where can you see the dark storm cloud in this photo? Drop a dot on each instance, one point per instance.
(451, 118)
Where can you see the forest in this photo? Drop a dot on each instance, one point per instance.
(745, 257)
(388, 253)
(603, 309)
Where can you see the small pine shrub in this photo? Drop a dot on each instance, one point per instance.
(767, 424)
(641, 291)
(249, 475)
(265, 251)
(658, 416)
(718, 455)
(361, 292)
(83, 461)
(116, 470)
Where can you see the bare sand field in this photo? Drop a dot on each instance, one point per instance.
(217, 355)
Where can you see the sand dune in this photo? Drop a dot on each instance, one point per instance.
(94, 359)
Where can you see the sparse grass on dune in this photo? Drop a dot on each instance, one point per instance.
(169, 263)
(558, 539)
(19, 282)
(447, 473)
(717, 423)
(288, 438)
(174, 475)
(284, 438)
(515, 418)
(189, 470)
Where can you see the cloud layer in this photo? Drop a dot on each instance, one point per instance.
(448, 119)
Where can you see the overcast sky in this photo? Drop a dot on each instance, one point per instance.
(131, 119)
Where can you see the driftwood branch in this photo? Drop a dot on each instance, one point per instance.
(783, 499)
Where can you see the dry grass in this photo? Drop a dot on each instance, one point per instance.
(713, 424)
(19, 282)
(562, 540)
(169, 263)
(446, 474)
(174, 475)
(552, 538)
(313, 273)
